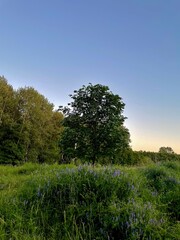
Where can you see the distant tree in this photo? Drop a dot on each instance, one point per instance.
(93, 124)
(166, 150)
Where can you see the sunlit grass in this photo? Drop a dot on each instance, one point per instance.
(90, 202)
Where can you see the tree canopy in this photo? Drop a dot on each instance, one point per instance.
(93, 124)
(29, 127)
(166, 150)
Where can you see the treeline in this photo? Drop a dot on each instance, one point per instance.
(29, 127)
(131, 157)
(90, 130)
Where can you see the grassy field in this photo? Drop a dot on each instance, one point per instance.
(85, 202)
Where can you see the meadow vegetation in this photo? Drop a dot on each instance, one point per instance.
(90, 202)
(95, 186)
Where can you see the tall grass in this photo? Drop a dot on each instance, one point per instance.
(85, 202)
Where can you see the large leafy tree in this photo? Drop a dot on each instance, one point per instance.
(9, 127)
(93, 124)
(7, 101)
(29, 127)
(40, 126)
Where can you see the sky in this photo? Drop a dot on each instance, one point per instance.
(131, 46)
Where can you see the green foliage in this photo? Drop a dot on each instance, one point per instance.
(9, 128)
(164, 183)
(166, 150)
(142, 157)
(38, 133)
(94, 124)
(29, 128)
(7, 102)
(85, 202)
(10, 151)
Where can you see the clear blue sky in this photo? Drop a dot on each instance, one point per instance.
(133, 46)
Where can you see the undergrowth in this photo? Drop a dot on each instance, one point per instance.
(85, 202)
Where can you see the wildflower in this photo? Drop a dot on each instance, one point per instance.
(80, 168)
(127, 224)
(161, 220)
(25, 202)
(48, 183)
(149, 205)
(116, 173)
(152, 221)
(39, 192)
(154, 194)
(133, 215)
